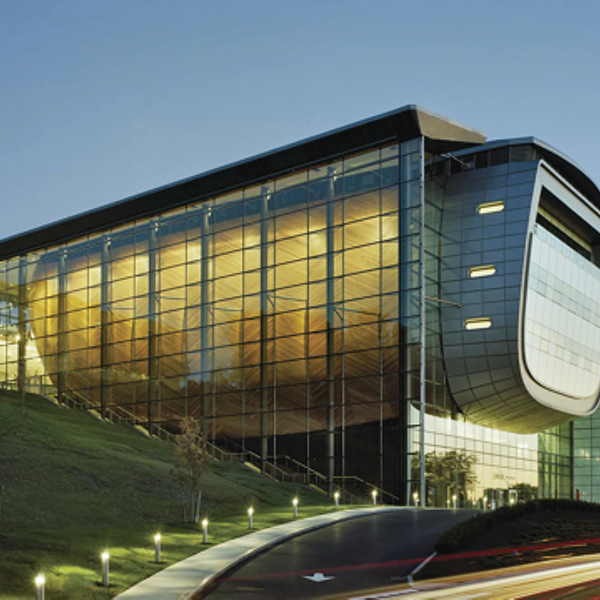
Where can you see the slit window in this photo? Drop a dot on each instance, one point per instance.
(490, 207)
(482, 271)
(481, 323)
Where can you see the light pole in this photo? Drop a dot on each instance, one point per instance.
(40, 582)
(204, 531)
(157, 539)
(105, 565)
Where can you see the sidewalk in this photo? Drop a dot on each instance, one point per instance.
(181, 580)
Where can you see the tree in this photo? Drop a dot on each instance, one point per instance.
(526, 491)
(192, 461)
(449, 474)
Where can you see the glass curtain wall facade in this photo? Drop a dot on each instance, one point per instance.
(271, 313)
(297, 318)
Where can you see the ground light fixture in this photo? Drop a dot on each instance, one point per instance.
(157, 539)
(250, 515)
(453, 500)
(485, 503)
(40, 582)
(374, 496)
(105, 560)
(416, 499)
(295, 504)
(336, 497)
(204, 531)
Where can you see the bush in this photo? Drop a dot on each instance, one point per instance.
(458, 537)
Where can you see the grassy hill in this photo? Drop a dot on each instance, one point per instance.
(74, 486)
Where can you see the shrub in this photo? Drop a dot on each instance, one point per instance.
(459, 536)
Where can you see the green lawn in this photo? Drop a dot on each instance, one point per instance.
(73, 487)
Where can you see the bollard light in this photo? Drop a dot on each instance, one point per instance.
(157, 539)
(416, 499)
(374, 496)
(204, 531)
(336, 497)
(40, 582)
(105, 560)
(485, 503)
(250, 515)
(295, 503)
(453, 500)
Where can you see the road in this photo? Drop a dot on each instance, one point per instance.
(353, 555)
(577, 580)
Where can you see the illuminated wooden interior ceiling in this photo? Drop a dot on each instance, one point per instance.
(296, 278)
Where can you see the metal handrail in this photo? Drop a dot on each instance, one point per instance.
(301, 471)
(380, 491)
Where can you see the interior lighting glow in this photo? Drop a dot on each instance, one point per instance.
(473, 324)
(490, 207)
(482, 271)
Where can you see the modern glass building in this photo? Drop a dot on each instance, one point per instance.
(395, 304)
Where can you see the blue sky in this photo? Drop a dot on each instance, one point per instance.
(103, 99)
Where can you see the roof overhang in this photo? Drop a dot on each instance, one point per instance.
(403, 124)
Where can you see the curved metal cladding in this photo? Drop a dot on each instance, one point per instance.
(520, 351)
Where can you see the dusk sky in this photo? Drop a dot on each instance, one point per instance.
(100, 100)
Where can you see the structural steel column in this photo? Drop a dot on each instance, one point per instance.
(105, 322)
(264, 328)
(204, 275)
(22, 327)
(153, 315)
(330, 442)
(62, 310)
(423, 331)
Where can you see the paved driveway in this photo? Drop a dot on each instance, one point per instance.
(353, 555)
